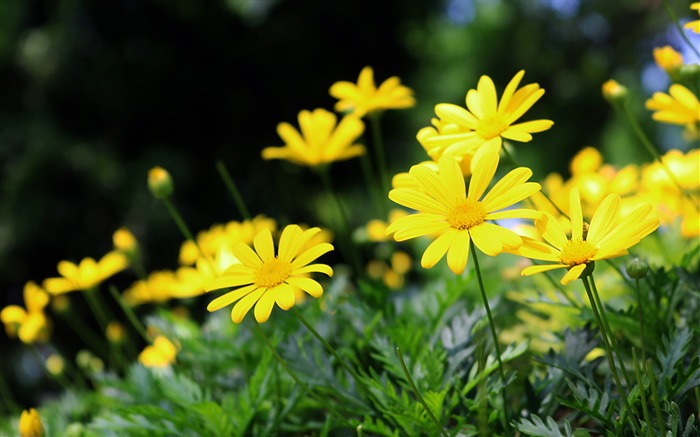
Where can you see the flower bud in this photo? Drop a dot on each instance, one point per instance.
(637, 269)
(668, 59)
(55, 364)
(115, 332)
(614, 92)
(160, 183)
(124, 241)
(30, 424)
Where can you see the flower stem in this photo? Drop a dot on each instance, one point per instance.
(84, 332)
(608, 351)
(492, 325)
(677, 23)
(642, 391)
(641, 322)
(345, 233)
(379, 151)
(655, 397)
(184, 229)
(97, 309)
(332, 350)
(290, 372)
(231, 186)
(375, 191)
(417, 393)
(129, 313)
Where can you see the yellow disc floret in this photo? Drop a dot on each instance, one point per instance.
(272, 273)
(466, 215)
(577, 252)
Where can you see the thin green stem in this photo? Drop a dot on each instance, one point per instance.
(549, 199)
(97, 309)
(494, 335)
(379, 150)
(655, 397)
(642, 391)
(290, 372)
(231, 186)
(651, 149)
(83, 331)
(611, 337)
(182, 226)
(609, 352)
(373, 187)
(640, 311)
(345, 231)
(677, 23)
(417, 393)
(332, 350)
(129, 313)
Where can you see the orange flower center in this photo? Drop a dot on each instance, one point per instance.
(466, 215)
(577, 252)
(272, 273)
(491, 127)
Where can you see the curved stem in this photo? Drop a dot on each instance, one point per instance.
(417, 393)
(184, 229)
(494, 335)
(608, 351)
(231, 186)
(129, 313)
(641, 321)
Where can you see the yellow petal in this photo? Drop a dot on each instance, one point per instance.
(576, 215)
(244, 305)
(436, 250)
(573, 274)
(264, 246)
(307, 284)
(264, 306)
(458, 253)
(230, 297)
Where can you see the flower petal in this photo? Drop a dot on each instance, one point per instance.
(458, 253)
(307, 284)
(436, 250)
(573, 274)
(264, 306)
(230, 297)
(244, 305)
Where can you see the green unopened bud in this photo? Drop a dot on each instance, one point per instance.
(637, 268)
(160, 183)
(614, 92)
(689, 73)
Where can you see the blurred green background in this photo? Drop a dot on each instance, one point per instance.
(96, 93)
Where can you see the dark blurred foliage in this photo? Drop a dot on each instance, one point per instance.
(96, 93)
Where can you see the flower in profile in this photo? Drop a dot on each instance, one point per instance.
(680, 106)
(160, 354)
(87, 274)
(457, 217)
(486, 120)
(264, 278)
(609, 235)
(614, 92)
(125, 241)
(695, 24)
(30, 324)
(30, 424)
(320, 140)
(160, 183)
(668, 59)
(365, 98)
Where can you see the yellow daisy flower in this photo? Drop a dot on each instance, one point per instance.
(364, 97)
(608, 236)
(489, 121)
(455, 216)
(87, 274)
(265, 278)
(668, 59)
(695, 24)
(680, 106)
(320, 141)
(30, 424)
(160, 354)
(30, 324)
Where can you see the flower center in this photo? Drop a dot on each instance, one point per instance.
(466, 215)
(491, 127)
(272, 273)
(577, 252)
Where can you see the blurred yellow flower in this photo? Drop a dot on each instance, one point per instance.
(614, 92)
(680, 106)
(456, 217)
(30, 424)
(608, 236)
(161, 353)
(263, 278)
(55, 364)
(124, 240)
(668, 59)
(486, 120)
(695, 24)
(87, 274)
(435, 150)
(31, 324)
(364, 97)
(156, 288)
(320, 141)
(160, 183)
(115, 332)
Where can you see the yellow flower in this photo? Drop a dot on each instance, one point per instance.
(668, 59)
(320, 141)
(160, 183)
(265, 278)
(115, 332)
(31, 324)
(614, 92)
(364, 97)
(160, 354)
(456, 217)
(156, 288)
(489, 121)
(436, 150)
(87, 274)
(30, 424)
(695, 24)
(55, 364)
(608, 236)
(124, 240)
(680, 107)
